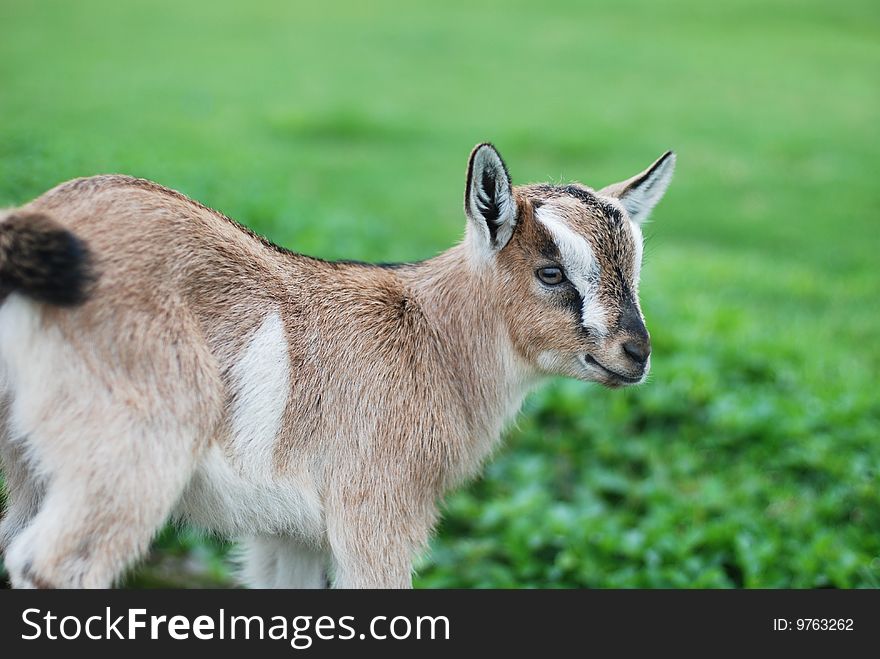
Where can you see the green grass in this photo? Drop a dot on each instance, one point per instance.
(752, 458)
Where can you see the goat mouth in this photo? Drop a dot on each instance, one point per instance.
(589, 360)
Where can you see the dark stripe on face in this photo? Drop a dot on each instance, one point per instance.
(566, 295)
(585, 197)
(548, 249)
(582, 195)
(626, 294)
(570, 298)
(630, 321)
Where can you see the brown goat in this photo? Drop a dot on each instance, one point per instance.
(160, 361)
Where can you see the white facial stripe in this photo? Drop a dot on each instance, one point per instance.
(580, 266)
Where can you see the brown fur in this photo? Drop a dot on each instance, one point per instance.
(400, 379)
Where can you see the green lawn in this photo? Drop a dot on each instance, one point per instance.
(341, 129)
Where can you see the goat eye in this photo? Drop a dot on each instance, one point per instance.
(551, 276)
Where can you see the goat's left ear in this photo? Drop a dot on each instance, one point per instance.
(488, 197)
(641, 193)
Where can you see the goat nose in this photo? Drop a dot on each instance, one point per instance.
(638, 349)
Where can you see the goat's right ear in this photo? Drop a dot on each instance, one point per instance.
(488, 197)
(641, 193)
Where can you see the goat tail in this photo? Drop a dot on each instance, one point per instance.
(41, 259)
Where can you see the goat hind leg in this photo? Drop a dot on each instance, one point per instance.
(283, 562)
(24, 490)
(112, 411)
(94, 522)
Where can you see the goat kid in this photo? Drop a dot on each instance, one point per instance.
(160, 361)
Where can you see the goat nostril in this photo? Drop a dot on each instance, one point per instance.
(637, 350)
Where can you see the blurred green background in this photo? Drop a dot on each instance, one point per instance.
(341, 129)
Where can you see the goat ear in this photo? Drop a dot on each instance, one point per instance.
(488, 197)
(642, 192)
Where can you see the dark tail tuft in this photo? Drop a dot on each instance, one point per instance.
(43, 260)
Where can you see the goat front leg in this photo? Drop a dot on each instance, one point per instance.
(283, 562)
(374, 538)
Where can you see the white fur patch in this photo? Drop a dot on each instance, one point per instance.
(227, 496)
(261, 378)
(238, 490)
(581, 268)
(39, 370)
